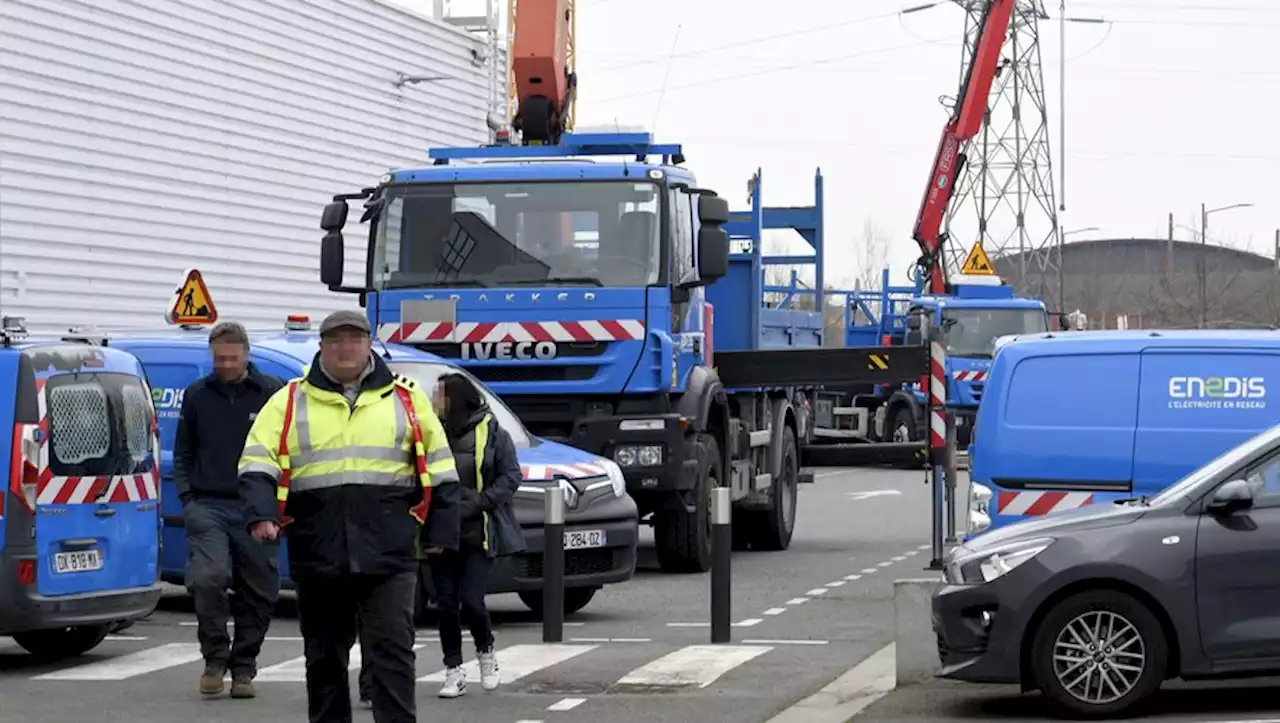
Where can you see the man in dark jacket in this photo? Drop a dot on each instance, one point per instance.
(217, 412)
(353, 465)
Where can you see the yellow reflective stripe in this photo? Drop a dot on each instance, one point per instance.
(282, 494)
(311, 482)
(482, 440)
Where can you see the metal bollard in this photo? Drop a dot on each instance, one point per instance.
(553, 567)
(721, 546)
(951, 478)
(939, 482)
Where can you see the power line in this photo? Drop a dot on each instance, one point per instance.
(1176, 6)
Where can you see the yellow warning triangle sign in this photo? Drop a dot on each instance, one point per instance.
(193, 304)
(977, 263)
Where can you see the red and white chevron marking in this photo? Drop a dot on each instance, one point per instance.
(55, 490)
(970, 376)
(937, 396)
(1040, 503)
(542, 472)
(517, 331)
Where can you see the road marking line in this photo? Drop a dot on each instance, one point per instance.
(899, 558)
(133, 664)
(849, 694)
(836, 583)
(688, 625)
(284, 638)
(911, 553)
(611, 640)
(852, 578)
(785, 642)
(925, 547)
(694, 665)
(567, 704)
(885, 564)
(868, 570)
(797, 601)
(539, 625)
(817, 591)
(518, 661)
(294, 670)
(775, 611)
(748, 623)
(126, 637)
(530, 720)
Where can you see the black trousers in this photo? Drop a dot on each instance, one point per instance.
(327, 610)
(222, 556)
(461, 580)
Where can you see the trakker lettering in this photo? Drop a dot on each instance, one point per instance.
(519, 350)
(1217, 392)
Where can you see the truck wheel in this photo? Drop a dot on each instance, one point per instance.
(684, 539)
(1099, 653)
(575, 598)
(62, 643)
(904, 429)
(772, 529)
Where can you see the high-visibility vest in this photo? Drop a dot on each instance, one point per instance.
(426, 469)
(482, 439)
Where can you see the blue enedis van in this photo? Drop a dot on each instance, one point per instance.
(1078, 418)
(80, 517)
(601, 522)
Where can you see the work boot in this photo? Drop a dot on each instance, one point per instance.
(242, 687)
(211, 680)
(488, 669)
(455, 683)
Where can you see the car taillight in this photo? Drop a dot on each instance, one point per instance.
(22, 476)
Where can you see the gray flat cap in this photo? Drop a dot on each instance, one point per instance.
(341, 319)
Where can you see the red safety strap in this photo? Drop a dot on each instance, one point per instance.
(419, 511)
(283, 451)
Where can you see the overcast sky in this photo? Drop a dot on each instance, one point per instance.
(1168, 104)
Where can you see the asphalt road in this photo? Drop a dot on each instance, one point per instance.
(639, 652)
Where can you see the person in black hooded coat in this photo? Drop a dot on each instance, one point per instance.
(489, 528)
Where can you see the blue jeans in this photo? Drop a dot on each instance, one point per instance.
(221, 555)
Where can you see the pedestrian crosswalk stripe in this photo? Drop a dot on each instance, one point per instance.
(127, 666)
(693, 665)
(294, 670)
(517, 661)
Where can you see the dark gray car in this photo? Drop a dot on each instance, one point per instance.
(1097, 606)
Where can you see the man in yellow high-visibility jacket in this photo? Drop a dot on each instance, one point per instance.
(351, 463)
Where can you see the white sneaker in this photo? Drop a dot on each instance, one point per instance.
(455, 683)
(488, 670)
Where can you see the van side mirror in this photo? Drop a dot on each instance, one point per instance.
(713, 253)
(1231, 497)
(713, 210)
(332, 259)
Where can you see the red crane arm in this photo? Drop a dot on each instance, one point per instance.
(964, 124)
(540, 63)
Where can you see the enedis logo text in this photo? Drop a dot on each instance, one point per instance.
(168, 402)
(1217, 392)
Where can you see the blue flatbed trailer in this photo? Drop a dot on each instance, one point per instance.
(598, 293)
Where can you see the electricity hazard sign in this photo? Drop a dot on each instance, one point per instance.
(193, 304)
(977, 263)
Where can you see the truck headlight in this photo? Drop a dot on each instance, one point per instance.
(979, 508)
(615, 477)
(641, 455)
(991, 564)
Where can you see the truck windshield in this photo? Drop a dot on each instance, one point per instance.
(973, 332)
(597, 233)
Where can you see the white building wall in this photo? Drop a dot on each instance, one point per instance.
(139, 138)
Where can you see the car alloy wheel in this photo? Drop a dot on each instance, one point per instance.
(1099, 657)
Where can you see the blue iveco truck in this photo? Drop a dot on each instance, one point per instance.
(977, 311)
(591, 284)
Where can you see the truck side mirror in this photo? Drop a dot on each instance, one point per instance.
(334, 216)
(713, 210)
(713, 253)
(332, 258)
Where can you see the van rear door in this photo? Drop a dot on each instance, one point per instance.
(96, 490)
(1197, 403)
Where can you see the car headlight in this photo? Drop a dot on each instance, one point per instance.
(615, 476)
(987, 565)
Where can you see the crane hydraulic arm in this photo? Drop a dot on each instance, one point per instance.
(966, 121)
(542, 40)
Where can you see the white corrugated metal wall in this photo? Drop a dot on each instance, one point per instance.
(139, 138)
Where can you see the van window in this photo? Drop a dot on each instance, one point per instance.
(99, 424)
